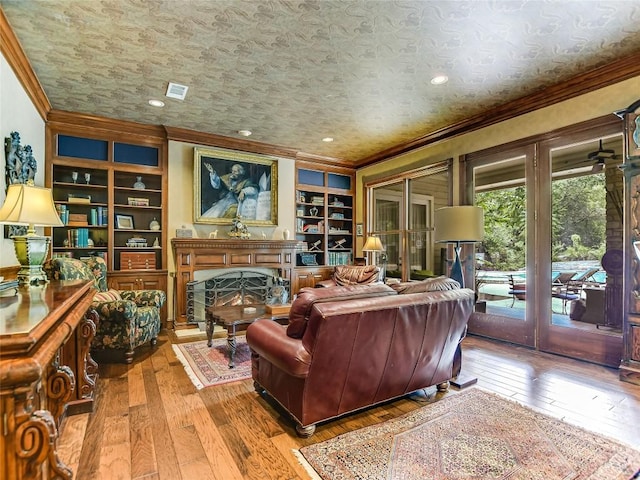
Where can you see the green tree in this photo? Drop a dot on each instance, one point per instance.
(578, 227)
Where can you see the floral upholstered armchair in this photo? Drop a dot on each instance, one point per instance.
(128, 318)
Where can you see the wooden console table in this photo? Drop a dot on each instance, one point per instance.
(193, 254)
(46, 372)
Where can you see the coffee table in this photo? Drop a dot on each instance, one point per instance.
(235, 319)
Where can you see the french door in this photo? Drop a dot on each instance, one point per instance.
(548, 215)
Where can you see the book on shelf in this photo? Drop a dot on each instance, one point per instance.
(101, 216)
(78, 237)
(78, 198)
(78, 217)
(63, 213)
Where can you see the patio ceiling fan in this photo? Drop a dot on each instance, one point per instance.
(600, 156)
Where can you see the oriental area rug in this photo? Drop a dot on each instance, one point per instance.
(472, 435)
(207, 366)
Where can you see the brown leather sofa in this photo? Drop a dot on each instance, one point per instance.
(350, 347)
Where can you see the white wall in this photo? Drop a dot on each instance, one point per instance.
(18, 114)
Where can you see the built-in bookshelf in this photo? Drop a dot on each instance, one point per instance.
(324, 219)
(109, 191)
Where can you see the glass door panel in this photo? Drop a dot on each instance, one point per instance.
(585, 221)
(503, 282)
(387, 219)
(401, 214)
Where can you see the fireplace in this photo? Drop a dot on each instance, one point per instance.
(193, 256)
(235, 287)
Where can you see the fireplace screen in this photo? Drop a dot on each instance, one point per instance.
(234, 288)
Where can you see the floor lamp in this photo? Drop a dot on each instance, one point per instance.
(33, 206)
(458, 225)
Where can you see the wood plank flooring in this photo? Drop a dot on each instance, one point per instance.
(150, 422)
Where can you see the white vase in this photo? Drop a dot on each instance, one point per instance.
(285, 234)
(139, 184)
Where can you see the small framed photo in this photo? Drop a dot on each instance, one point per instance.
(124, 222)
(359, 232)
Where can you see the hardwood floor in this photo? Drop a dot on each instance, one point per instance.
(150, 422)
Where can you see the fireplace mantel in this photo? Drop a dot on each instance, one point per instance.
(193, 254)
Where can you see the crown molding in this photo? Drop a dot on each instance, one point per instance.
(87, 123)
(587, 82)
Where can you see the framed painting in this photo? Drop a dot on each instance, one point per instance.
(230, 184)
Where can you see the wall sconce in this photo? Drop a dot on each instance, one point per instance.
(27, 204)
(460, 224)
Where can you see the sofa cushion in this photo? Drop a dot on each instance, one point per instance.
(356, 274)
(108, 296)
(429, 285)
(307, 297)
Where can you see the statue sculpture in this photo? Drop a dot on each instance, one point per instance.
(21, 166)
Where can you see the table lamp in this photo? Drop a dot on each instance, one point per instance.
(459, 224)
(373, 244)
(33, 206)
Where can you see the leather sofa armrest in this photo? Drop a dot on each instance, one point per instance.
(326, 283)
(269, 340)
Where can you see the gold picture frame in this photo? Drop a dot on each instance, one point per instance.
(230, 184)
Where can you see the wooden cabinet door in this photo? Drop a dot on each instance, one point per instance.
(308, 278)
(141, 280)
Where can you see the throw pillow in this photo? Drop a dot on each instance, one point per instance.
(429, 285)
(356, 275)
(108, 296)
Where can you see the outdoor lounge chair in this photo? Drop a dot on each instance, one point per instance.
(517, 288)
(570, 285)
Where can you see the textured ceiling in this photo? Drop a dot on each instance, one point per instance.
(294, 72)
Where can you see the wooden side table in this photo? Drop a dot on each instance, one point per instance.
(236, 319)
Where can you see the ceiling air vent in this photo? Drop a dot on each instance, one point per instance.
(175, 90)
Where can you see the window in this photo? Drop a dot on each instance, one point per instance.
(401, 214)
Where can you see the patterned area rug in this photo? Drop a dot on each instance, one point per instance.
(472, 435)
(207, 366)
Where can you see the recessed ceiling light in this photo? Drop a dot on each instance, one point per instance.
(439, 80)
(156, 103)
(244, 133)
(327, 139)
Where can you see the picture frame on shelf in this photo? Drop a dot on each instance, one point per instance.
(230, 184)
(124, 222)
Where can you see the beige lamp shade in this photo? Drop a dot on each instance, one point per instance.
(29, 205)
(373, 244)
(459, 224)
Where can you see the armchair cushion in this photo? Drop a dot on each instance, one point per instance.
(108, 296)
(143, 298)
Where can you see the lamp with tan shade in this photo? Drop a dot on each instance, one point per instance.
(373, 244)
(459, 224)
(33, 206)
